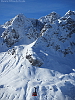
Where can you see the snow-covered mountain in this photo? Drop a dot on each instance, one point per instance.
(38, 53)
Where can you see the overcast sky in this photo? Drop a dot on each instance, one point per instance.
(33, 8)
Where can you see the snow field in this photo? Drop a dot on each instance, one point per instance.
(20, 78)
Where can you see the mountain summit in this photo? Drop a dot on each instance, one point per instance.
(38, 53)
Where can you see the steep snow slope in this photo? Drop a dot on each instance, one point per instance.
(38, 53)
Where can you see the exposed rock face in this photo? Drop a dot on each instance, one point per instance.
(34, 62)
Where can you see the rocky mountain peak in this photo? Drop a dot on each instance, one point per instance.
(52, 17)
(70, 13)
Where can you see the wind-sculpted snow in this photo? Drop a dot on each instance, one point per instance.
(38, 53)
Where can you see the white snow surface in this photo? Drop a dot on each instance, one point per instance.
(38, 53)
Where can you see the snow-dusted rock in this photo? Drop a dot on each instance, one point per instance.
(21, 27)
(50, 18)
